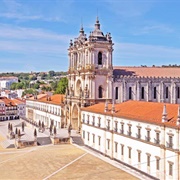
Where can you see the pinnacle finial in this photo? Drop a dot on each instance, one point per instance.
(178, 116)
(113, 107)
(97, 24)
(164, 114)
(106, 106)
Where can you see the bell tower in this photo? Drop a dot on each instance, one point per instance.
(90, 72)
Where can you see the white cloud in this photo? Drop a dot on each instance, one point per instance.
(16, 32)
(160, 28)
(20, 40)
(133, 54)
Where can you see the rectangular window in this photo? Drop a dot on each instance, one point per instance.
(170, 169)
(148, 160)
(116, 147)
(93, 138)
(88, 136)
(148, 136)
(122, 149)
(130, 92)
(99, 122)
(129, 152)
(99, 140)
(157, 140)
(167, 93)
(139, 133)
(87, 119)
(122, 128)
(93, 122)
(142, 93)
(108, 125)
(108, 144)
(157, 163)
(83, 118)
(116, 93)
(83, 134)
(139, 156)
(154, 92)
(170, 143)
(116, 127)
(178, 92)
(129, 132)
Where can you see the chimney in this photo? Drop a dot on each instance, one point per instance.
(178, 116)
(113, 107)
(164, 114)
(106, 106)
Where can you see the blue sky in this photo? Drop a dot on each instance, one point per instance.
(35, 34)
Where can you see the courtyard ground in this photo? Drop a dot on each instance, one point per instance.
(56, 162)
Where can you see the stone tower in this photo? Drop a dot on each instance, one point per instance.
(90, 72)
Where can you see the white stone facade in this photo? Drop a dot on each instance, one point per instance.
(150, 148)
(92, 77)
(155, 89)
(5, 82)
(47, 112)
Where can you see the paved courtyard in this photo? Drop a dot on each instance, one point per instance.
(56, 162)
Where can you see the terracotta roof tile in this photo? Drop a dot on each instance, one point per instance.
(146, 71)
(55, 99)
(18, 101)
(142, 111)
(8, 102)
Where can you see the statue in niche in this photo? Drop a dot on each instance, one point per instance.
(80, 92)
(71, 91)
(86, 92)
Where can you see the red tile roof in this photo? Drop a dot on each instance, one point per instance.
(150, 112)
(54, 99)
(18, 101)
(147, 71)
(8, 102)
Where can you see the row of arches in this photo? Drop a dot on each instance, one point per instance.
(142, 94)
(75, 59)
(78, 89)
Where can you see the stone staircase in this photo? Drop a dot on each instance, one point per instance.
(76, 138)
(7, 144)
(43, 141)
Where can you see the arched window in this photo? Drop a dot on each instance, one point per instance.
(178, 93)
(154, 92)
(142, 93)
(130, 92)
(116, 93)
(167, 93)
(100, 91)
(100, 58)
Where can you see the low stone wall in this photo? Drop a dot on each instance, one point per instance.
(22, 144)
(57, 140)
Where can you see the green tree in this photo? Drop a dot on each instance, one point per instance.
(53, 85)
(51, 73)
(13, 86)
(36, 86)
(19, 85)
(62, 85)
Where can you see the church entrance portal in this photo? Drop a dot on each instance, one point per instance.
(75, 117)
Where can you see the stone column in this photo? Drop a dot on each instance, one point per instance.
(173, 95)
(149, 91)
(137, 90)
(125, 90)
(162, 91)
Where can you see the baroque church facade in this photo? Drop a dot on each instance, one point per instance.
(93, 79)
